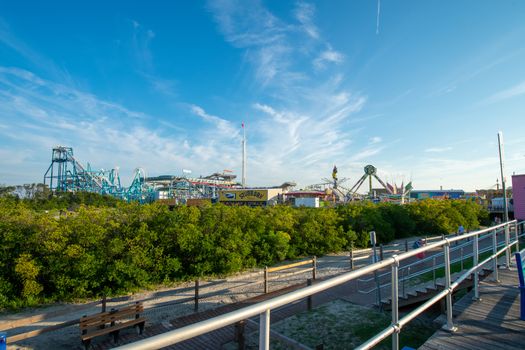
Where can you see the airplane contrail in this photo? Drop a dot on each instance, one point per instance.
(378, 13)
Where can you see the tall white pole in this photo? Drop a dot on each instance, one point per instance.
(505, 209)
(243, 156)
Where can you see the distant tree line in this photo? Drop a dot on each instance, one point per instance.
(76, 246)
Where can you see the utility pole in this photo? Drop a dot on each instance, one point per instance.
(243, 156)
(505, 208)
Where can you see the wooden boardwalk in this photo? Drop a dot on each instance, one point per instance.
(492, 323)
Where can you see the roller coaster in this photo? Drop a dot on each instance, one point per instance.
(66, 174)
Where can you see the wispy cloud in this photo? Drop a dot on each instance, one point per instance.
(304, 14)
(271, 43)
(438, 149)
(39, 114)
(142, 55)
(45, 64)
(328, 56)
(305, 121)
(375, 140)
(221, 126)
(516, 90)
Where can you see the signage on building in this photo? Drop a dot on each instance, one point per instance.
(243, 195)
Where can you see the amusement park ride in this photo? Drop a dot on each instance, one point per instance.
(344, 194)
(66, 174)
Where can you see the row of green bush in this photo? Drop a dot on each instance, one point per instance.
(58, 255)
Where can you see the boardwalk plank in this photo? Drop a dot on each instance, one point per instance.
(492, 323)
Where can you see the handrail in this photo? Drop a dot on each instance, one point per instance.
(263, 308)
(428, 258)
(422, 272)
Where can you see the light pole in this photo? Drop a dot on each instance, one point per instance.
(505, 208)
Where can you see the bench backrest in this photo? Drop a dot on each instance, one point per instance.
(519, 264)
(103, 318)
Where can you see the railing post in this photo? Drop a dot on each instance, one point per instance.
(314, 267)
(517, 236)
(381, 252)
(309, 298)
(434, 270)
(239, 335)
(406, 245)
(352, 257)
(104, 302)
(265, 279)
(450, 325)
(264, 330)
(395, 305)
(196, 307)
(475, 254)
(507, 244)
(495, 260)
(404, 278)
(461, 257)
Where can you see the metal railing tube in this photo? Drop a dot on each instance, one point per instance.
(418, 262)
(446, 252)
(395, 304)
(507, 252)
(264, 330)
(476, 233)
(495, 255)
(495, 261)
(475, 264)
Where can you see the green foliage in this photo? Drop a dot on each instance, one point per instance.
(85, 246)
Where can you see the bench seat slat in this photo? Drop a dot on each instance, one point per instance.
(104, 318)
(112, 329)
(138, 307)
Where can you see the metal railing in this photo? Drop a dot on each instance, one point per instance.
(263, 309)
(411, 270)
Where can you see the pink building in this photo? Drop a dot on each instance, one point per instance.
(518, 193)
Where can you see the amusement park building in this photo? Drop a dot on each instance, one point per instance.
(441, 194)
(251, 196)
(518, 189)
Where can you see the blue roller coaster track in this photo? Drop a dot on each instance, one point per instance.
(66, 174)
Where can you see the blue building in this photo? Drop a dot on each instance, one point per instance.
(437, 194)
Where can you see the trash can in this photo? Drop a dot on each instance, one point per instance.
(3, 340)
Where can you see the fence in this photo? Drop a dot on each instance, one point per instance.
(436, 261)
(263, 308)
(190, 296)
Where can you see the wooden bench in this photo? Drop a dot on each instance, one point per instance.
(519, 264)
(111, 322)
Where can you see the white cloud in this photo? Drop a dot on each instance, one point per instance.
(375, 139)
(438, 149)
(222, 127)
(39, 114)
(328, 56)
(304, 13)
(274, 47)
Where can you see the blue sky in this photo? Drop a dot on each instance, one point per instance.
(419, 88)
